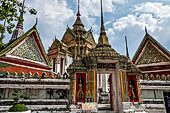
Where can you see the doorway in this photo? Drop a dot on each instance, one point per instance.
(104, 87)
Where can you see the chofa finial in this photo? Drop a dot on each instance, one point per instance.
(36, 22)
(127, 52)
(146, 30)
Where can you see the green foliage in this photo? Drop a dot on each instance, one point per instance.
(18, 108)
(16, 91)
(17, 96)
(9, 13)
(16, 99)
(26, 97)
(33, 11)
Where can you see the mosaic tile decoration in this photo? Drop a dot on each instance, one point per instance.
(29, 50)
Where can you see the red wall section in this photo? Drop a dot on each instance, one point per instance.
(19, 70)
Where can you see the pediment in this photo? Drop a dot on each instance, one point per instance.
(151, 54)
(28, 50)
(88, 36)
(55, 44)
(68, 37)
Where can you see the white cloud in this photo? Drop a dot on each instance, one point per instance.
(53, 16)
(92, 7)
(158, 9)
(120, 1)
(153, 15)
(96, 36)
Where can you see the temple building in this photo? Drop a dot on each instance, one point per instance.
(24, 53)
(76, 41)
(98, 74)
(78, 71)
(154, 62)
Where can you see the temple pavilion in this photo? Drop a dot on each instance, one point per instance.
(98, 73)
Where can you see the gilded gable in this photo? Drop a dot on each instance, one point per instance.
(151, 55)
(68, 37)
(55, 44)
(28, 50)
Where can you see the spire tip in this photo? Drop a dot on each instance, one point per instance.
(146, 30)
(78, 13)
(127, 52)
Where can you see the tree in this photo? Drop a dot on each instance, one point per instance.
(10, 11)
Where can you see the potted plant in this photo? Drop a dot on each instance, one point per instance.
(18, 107)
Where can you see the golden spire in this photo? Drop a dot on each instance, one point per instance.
(103, 40)
(102, 31)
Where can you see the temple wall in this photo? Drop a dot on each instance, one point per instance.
(41, 92)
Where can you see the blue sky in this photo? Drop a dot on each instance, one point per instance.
(121, 17)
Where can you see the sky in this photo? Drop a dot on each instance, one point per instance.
(121, 18)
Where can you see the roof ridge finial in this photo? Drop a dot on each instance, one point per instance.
(146, 30)
(102, 21)
(36, 22)
(20, 22)
(127, 52)
(78, 12)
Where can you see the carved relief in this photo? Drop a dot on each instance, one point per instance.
(163, 77)
(106, 65)
(151, 55)
(168, 77)
(146, 77)
(141, 77)
(158, 77)
(152, 77)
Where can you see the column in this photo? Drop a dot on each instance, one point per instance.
(61, 66)
(64, 59)
(104, 82)
(100, 81)
(54, 64)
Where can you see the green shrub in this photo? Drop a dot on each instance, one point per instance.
(18, 108)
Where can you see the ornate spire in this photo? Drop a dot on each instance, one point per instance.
(127, 52)
(103, 40)
(102, 23)
(78, 13)
(19, 28)
(78, 24)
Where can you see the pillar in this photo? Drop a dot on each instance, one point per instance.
(104, 82)
(116, 91)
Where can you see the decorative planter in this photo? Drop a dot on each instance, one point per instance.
(29, 111)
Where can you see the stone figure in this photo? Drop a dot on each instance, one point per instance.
(80, 93)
